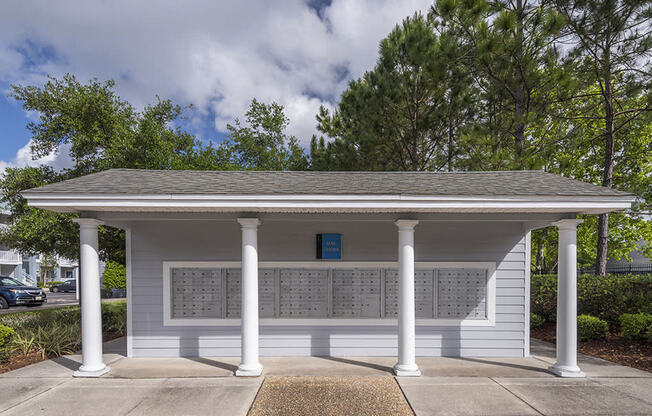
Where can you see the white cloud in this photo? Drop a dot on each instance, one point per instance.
(216, 55)
(58, 160)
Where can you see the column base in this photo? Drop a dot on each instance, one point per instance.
(565, 371)
(249, 371)
(81, 372)
(407, 370)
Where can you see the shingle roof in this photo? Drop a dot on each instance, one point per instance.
(187, 182)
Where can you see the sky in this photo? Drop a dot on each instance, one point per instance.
(215, 55)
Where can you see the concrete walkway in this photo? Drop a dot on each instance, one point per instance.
(204, 386)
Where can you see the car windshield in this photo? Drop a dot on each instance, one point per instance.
(8, 281)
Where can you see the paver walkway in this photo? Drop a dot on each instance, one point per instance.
(330, 396)
(206, 386)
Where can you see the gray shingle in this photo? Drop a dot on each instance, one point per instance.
(170, 182)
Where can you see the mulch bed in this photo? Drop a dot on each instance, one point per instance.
(636, 354)
(332, 396)
(18, 361)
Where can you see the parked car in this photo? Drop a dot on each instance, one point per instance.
(14, 293)
(67, 286)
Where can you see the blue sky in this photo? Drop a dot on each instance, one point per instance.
(13, 135)
(214, 55)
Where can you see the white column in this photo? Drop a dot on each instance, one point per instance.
(91, 302)
(566, 365)
(249, 365)
(406, 365)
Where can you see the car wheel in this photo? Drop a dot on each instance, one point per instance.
(3, 303)
(54, 290)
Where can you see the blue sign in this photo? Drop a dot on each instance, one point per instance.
(329, 246)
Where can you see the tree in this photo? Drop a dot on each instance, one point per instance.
(263, 144)
(88, 117)
(510, 52)
(614, 42)
(100, 131)
(578, 153)
(394, 117)
(47, 265)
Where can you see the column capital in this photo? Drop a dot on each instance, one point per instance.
(406, 224)
(568, 224)
(88, 222)
(249, 223)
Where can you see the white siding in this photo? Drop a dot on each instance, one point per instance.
(288, 239)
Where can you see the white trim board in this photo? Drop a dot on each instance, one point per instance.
(526, 320)
(490, 301)
(63, 202)
(130, 312)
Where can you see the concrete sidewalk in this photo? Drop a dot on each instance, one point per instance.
(449, 386)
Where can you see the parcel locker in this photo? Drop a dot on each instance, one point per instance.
(356, 293)
(303, 293)
(196, 293)
(423, 293)
(462, 293)
(266, 293)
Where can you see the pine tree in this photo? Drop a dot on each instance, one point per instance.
(613, 42)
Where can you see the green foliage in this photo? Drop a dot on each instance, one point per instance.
(114, 318)
(483, 85)
(33, 230)
(102, 131)
(48, 284)
(50, 332)
(263, 144)
(47, 266)
(57, 332)
(606, 297)
(590, 328)
(635, 326)
(6, 336)
(115, 276)
(406, 113)
(543, 298)
(509, 48)
(536, 321)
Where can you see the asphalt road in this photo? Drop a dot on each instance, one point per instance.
(55, 300)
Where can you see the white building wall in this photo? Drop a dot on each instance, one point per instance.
(293, 239)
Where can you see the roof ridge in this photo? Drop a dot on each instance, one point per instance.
(335, 171)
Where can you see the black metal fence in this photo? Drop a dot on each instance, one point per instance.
(638, 268)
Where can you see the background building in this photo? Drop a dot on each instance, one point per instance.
(27, 269)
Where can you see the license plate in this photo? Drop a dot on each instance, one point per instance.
(38, 298)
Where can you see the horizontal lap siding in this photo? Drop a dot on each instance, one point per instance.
(154, 242)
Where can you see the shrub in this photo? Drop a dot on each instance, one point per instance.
(606, 297)
(48, 284)
(543, 301)
(6, 336)
(648, 334)
(115, 276)
(536, 321)
(114, 318)
(53, 340)
(635, 325)
(590, 328)
(57, 332)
